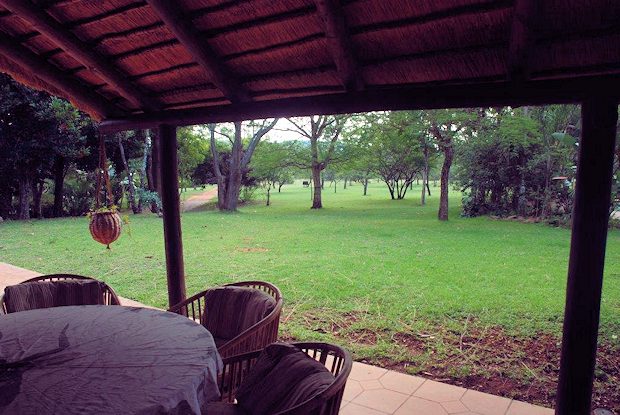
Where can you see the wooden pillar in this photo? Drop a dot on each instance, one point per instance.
(172, 213)
(587, 256)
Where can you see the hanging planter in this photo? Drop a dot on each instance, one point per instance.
(105, 223)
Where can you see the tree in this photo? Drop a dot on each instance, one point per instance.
(520, 161)
(229, 182)
(446, 126)
(71, 145)
(271, 166)
(193, 147)
(397, 158)
(319, 130)
(27, 132)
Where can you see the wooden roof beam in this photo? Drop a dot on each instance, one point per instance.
(50, 74)
(45, 24)
(183, 29)
(522, 39)
(476, 94)
(339, 44)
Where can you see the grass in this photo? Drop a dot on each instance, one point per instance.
(383, 277)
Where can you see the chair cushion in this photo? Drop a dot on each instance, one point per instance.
(231, 310)
(282, 378)
(45, 294)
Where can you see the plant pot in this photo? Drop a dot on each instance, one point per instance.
(105, 227)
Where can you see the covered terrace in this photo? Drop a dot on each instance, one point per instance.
(135, 64)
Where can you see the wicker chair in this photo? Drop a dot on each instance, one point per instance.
(252, 338)
(109, 296)
(327, 402)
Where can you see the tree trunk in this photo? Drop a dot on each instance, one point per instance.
(365, 186)
(316, 180)
(233, 184)
(143, 165)
(24, 197)
(59, 185)
(345, 183)
(268, 195)
(154, 173)
(425, 175)
(37, 192)
(448, 152)
(130, 186)
(280, 187)
(423, 198)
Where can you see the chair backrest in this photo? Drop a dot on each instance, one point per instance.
(278, 381)
(338, 361)
(109, 295)
(57, 290)
(230, 310)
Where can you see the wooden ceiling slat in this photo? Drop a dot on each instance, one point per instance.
(339, 44)
(189, 37)
(44, 23)
(52, 75)
(105, 15)
(457, 11)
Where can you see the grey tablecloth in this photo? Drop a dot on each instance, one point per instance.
(105, 359)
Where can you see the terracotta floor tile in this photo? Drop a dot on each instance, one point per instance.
(400, 382)
(454, 407)
(419, 406)
(351, 390)
(381, 399)
(439, 392)
(485, 404)
(522, 408)
(371, 384)
(353, 409)
(362, 371)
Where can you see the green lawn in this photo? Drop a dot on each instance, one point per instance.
(384, 277)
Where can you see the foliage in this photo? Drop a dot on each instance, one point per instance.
(521, 161)
(395, 149)
(192, 150)
(149, 197)
(271, 167)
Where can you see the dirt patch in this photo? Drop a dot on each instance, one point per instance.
(415, 344)
(254, 249)
(492, 361)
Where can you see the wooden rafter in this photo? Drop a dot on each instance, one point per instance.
(47, 72)
(189, 37)
(522, 37)
(339, 44)
(81, 51)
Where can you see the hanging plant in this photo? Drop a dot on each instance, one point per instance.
(105, 223)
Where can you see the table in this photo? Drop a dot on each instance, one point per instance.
(105, 360)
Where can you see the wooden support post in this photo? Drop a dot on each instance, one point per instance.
(587, 255)
(172, 213)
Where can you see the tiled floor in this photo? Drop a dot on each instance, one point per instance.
(372, 390)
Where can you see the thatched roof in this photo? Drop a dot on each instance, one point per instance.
(123, 58)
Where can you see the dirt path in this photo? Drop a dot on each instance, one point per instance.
(195, 202)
